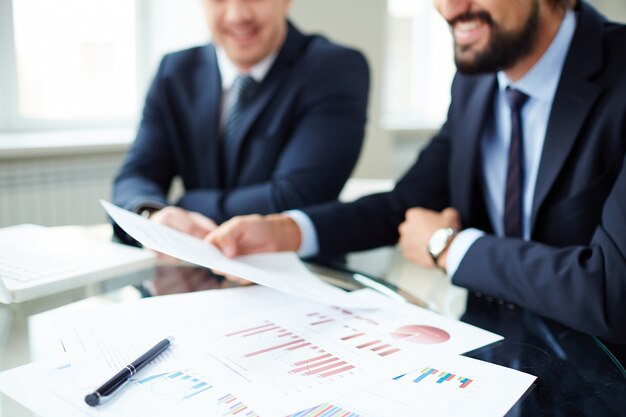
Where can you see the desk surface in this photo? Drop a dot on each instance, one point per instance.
(576, 374)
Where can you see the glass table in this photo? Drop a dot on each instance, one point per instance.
(577, 375)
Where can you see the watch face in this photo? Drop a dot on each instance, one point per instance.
(438, 241)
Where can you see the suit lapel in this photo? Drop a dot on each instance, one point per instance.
(467, 144)
(266, 90)
(575, 97)
(209, 88)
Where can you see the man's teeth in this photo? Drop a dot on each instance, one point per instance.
(467, 26)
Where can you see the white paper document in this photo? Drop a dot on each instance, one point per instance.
(453, 387)
(121, 332)
(282, 271)
(284, 359)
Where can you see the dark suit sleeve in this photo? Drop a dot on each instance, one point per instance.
(373, 221)
(581, 286)
(319, 154)
(149, 166)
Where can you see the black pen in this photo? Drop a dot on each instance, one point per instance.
(124, 375)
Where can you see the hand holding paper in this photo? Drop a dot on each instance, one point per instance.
(282, 271)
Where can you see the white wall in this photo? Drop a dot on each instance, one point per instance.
(360, 24)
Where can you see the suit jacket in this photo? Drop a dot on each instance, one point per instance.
(574, 268)
(301, 134)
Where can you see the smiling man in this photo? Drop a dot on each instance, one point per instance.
(263, 119)
(522, 193)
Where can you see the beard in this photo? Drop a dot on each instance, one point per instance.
(505, 48)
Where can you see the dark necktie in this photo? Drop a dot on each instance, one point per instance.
(242, 90)
(515, 172)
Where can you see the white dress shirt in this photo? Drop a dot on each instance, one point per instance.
(229, 72)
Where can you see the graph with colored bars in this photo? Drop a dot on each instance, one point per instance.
(301, 356)
(187, 385)
(441, 377)
(354, 337)
(325, 410)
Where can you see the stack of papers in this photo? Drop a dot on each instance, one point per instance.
(261, 351)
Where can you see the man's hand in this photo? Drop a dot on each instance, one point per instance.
(418, 227)
(244, 235)
(188, 222)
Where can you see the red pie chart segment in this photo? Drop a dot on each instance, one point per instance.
(420, 334)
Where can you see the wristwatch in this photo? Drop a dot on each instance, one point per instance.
(439, 242)
(147, 211)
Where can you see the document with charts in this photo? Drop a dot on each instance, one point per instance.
(450, 388)
(285, 359)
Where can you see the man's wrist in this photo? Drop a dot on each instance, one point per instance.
(147, 212)
(438, 245)
(286, 230)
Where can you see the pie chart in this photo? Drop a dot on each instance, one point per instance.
(421, 334)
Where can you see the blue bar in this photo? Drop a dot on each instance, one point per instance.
(200, 385)
(198, 392)
(195, 380)
(186, 377)
(398, 377)
(331, 412)
(422, 376)
(150, 378)
(443, 378)
(176, 375)
(67, 365)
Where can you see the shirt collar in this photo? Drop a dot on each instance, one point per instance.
(228, 70)
(542, 79)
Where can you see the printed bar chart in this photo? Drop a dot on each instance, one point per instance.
(442, 377)
(325, 410)
(321, 364)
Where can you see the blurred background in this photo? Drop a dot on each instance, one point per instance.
(73, 75)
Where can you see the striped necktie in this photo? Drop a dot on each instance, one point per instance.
(242, 91)
(513, 203)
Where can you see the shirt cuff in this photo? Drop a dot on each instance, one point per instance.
(459, 247)
(309, 246)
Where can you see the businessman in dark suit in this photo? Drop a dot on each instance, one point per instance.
(264, 119)
(522, 193)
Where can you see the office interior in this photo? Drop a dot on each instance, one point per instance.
(64, 131)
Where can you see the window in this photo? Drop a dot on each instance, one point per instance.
(74, 60)
(86, 63)
(420, 66)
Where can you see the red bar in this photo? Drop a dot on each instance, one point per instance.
(312, 314)
(269, 349)
(322, 322)
(389, 352)
(309, 367)
(338, 371)
(231, 400)
(325, 368)
(323, 411)
(261, 331)
(466, 383)
(352, 336)
(450, 377)
(364, 345)
(379, 347)
(299, 346)
(247, 330)
(284, 334)
(312, 359)
(239, 411)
